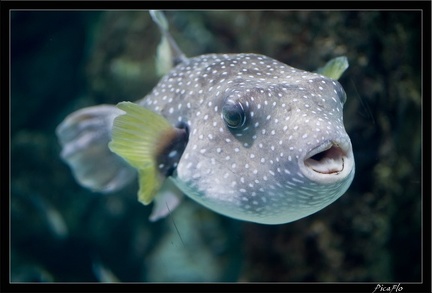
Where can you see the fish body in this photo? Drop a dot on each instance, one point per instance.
(243, 134)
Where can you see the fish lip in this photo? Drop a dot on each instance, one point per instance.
(335, 164)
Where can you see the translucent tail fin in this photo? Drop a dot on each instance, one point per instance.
(84, 136)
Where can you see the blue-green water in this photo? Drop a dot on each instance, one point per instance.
(62, 61)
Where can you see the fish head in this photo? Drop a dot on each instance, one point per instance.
(267, 148)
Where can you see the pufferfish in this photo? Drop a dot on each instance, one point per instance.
(244, 135)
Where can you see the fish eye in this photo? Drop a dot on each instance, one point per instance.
(233, 114)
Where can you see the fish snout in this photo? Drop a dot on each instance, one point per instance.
(329, 162)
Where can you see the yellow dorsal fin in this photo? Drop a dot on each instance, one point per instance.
(168, 52)
(334, 68)
(136, 136)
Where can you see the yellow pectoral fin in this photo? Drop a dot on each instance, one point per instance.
(150, 182)
(136, 137)
(136, 134)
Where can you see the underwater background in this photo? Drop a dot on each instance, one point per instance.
(60, 232)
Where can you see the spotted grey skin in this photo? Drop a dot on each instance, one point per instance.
(289, 157)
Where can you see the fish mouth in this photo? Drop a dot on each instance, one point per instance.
(329, 162)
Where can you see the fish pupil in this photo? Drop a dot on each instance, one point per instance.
(234, 114)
